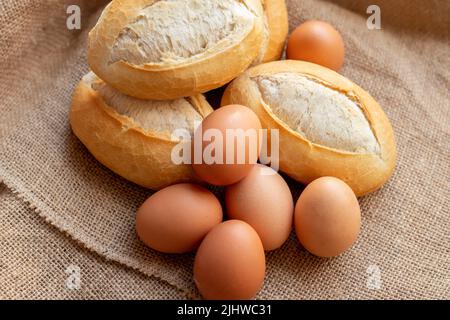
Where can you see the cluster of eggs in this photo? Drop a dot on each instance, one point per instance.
(230, 259)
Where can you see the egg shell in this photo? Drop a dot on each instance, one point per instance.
(263, 200)
(229, 117)
(327, 217)
(317, 42)
(230, 262)
(177, 218)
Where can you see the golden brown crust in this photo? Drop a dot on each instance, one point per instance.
(306, 161)
(165, 81)
(121, 145)
(278, 22)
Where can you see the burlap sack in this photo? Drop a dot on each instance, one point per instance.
(38, 261)
(404, 247)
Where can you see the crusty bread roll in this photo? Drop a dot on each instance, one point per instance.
(328, 126)
(277, 28)
(168, 49)
(132, 137)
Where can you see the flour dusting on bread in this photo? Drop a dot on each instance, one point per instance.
(320, 114)
(176, 30)
(157, 116)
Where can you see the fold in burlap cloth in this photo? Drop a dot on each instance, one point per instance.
(61, 207)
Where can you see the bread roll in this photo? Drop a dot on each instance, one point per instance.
(277, 28)
(169, 49)
(132, 137)
(328, 126)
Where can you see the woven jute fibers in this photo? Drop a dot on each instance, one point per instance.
(40, 262)
(56, 189)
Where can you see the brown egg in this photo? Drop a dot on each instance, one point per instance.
(177, 218)
(230, 263)
(317, 42)
(327, 217)
(221, 157)
(263, 200)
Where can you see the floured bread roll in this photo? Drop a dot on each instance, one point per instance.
(133, 137)
(328, 126)
(168, 49)
(276, 29)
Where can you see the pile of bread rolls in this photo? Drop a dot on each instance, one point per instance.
(152, 61)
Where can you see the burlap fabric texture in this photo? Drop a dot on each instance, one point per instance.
(59, 207)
